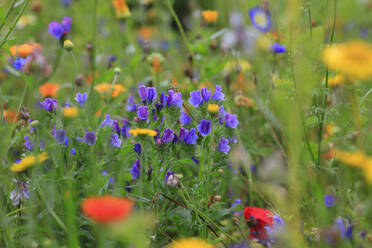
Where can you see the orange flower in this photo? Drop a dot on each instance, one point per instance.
(106, 88)
(25, 49)
(10, 116)
(210, 15)
(105, 209)
(146, 32)
(121, 8)
(49, 89)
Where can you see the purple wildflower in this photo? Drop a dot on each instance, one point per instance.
(89, 138)
(191, 137)
(116, 127)
(223, 146)
(137, 148)
(111, 179)
(131, 105)
(81, 98)
(107, 122)
(151, 94)
(49, 104)
(142, 92)
(231, 120)
(20, 193)
(277, 48)
(218, 95)
(142, 112)
(237, 202)
(19, 63)
(206, 94)
(329, 200)
(204, 127)
(135, 170)
(115, 141)
(167, 135)
(260, 19)
(28, 143)
(60, 137)
(184, 118)
(59, 30)
(195, 98)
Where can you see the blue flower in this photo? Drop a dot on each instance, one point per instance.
(111, 179)
(195, 98)
(137, 148)
(191, 137)
(223, 146)
(277, 48)
(174, 99)
(19, 63)
(142, 93)
(218, 95)
(167, 135)
(184, 119)
(107, 122)
(206, 94)
(111, 59)
(329, 200)
(274, 231)
(65, 3)
(204, 127)
(151, 94)
(59, 30)
(135, 170)
(28, 143)
(81, 98)
(125, 131)
(60, 137)
(345, 232)
(260, 19)
(89, 138)
(49, 104)
(73, 151)
(131, 105)
(116, 127)
(142, 112)
(115, 141)
(196, 161)
(237, 202)
(231, 120)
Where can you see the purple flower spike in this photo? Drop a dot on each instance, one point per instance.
(107, 122)
(204, 127)
(231, 120)
(49, 104)
(142, 112)
(223, 146)
(185, 119)
(206, 94)
(329, 200)
(131, 105)
(195, 98)
(137, 148)
(135, 170)
(28, 143)
(66, 25)
(115, 141)
(218, 95)
(151, 94)
(142, 92)
(60, 136)
(191, 137)
(89, 138)
(81, 98)
(167, 135)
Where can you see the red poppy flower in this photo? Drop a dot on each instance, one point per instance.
(104, 209)
(257, 219)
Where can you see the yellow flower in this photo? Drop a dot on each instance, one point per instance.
(28, 162)
(70, 112)
(106, 88)
(331, 129)
(143, 131)
(121, 8)
(210, 15)
(356, 159)
(234, 65)
(336, 80)
(368, 171)
(213, 108)
(353, 59)
(190, 243)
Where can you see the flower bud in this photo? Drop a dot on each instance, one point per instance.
(117, 70)
(68, 45)
(34, 123)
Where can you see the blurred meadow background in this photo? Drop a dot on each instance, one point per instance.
(185, 123)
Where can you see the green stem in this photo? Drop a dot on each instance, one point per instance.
(321, 121)
(180, 28)
(11, 29)
(74, 71)
(94, 43)
(23, 96)
(8, 14)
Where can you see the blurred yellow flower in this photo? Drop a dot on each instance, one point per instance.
(143, 131)
(210, 15)
(190, 243)
(106, 88)
(353, 59)
(356, 159)
(28, 162)
(331, 129)
(237, 65)
(121, 8)
(336, 80)
(70, 112)
(213, 108)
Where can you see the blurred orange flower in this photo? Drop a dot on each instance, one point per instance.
(49, 89)
(10, 116)
(210, 15)
(25, 49)
(121, 8)
(106, 209)
(106, 88)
